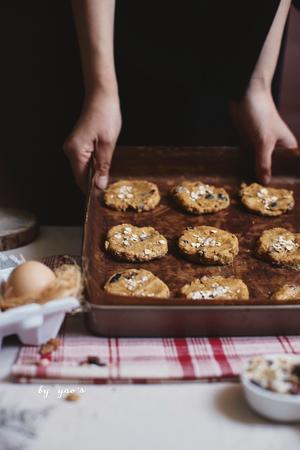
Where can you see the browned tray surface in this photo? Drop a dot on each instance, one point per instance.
(225, 167)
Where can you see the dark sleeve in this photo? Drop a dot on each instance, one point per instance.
(296, 3)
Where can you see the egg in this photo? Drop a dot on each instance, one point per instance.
(31, 277)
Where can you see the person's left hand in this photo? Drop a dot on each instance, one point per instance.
(262, 129)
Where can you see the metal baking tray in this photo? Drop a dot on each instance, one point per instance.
(112, 315)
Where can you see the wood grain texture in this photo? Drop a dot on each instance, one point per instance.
(17, 228)
(224, 167)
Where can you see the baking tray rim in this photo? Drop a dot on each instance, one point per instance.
(189, 307)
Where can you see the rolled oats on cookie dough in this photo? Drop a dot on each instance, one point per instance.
(266, 201)
(137, 195)
(130, 243)
(287, 292)
(199, 198)
(208, 245)
(138, 283)
(215, 288)
(281, 247)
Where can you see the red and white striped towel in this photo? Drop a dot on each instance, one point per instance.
(145, 360)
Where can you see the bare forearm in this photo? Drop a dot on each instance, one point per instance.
(265, 67)
(94, 20)
(95, 134)
(256, 116)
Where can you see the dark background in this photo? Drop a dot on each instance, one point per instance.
(41, 94)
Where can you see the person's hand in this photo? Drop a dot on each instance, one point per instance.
(261, 129)
(94, 136)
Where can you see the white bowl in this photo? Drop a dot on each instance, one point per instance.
(274, 406)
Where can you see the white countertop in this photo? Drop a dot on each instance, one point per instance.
(185, 416)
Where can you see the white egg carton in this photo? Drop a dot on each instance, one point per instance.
(34, 324)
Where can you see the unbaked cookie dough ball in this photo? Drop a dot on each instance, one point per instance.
(199, 198)
(215, 288)
(137, 195)
(138, 283)
(208, 245)
(130, 243)
(280, 247)
(266, 201)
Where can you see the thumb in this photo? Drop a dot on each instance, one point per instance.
(264, 161)
(79, 157)
(287, 138)
(103, 156)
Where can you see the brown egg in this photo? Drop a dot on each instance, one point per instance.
(30, 277)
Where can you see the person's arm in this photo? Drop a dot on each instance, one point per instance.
(98, 127)
(256, 115)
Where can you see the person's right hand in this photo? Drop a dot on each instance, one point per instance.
(94, 136)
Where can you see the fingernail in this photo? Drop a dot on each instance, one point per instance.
(101, 181)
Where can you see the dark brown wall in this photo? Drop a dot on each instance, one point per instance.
(40, 94)
(40, 98)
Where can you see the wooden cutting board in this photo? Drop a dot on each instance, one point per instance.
(17, 228)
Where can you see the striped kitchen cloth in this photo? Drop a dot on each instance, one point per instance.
(84, 358)
(81, 357)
